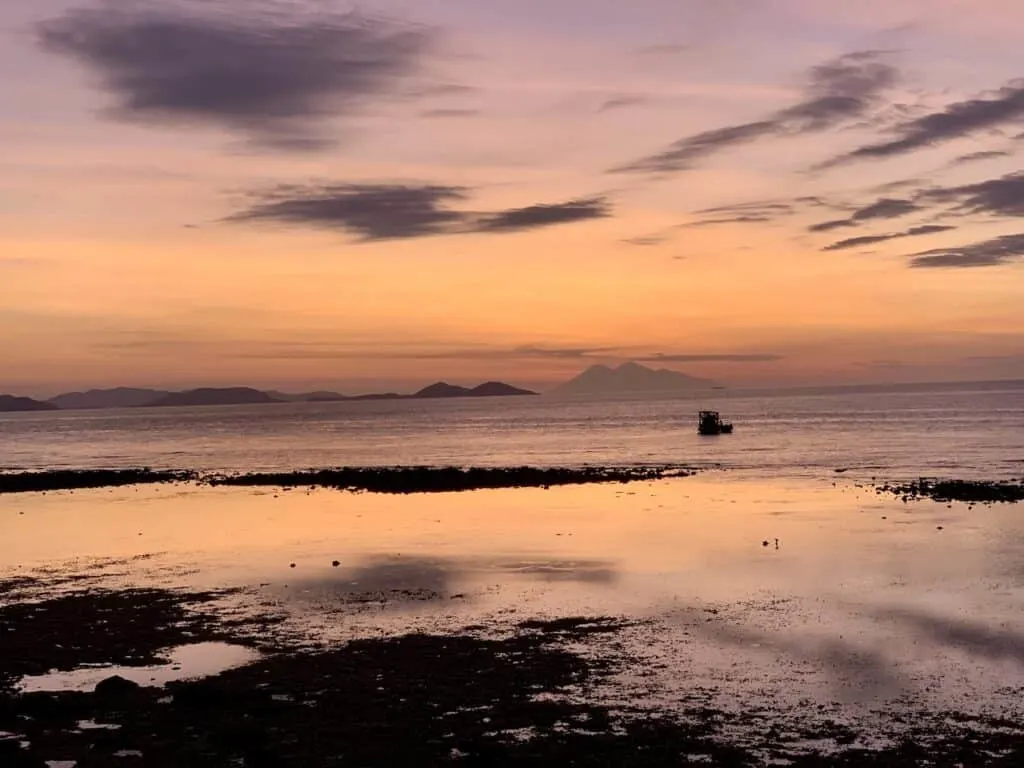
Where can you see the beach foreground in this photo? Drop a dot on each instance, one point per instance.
(713, 619)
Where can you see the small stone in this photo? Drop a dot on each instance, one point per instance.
(291, 565)
(764, 543)
(116, 686)
(335, 563)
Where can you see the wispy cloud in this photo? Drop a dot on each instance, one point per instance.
(754, 357)
(857, 242)
(885, 208)
(754, 212)
(535, 216)
(1001, 197)
(274, 77)
(977, 157)
(620, 102)
(646, 241)
(986, 253)
(837, 91)
(396, 211)
(962, 118)
(450, 113)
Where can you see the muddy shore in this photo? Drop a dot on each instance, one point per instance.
(527, 694)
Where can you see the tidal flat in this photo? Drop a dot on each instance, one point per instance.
(714, 619)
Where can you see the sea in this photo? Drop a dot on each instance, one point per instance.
(973, 430)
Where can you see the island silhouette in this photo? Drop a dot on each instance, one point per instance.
(630, 377)
(133, 397)
(13, 403)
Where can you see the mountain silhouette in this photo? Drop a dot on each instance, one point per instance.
(319, 396)
(487, 389)
(129, 397)
(630, 377)
(10, 403)
(497, 389)
(214, 396)
(118, 397)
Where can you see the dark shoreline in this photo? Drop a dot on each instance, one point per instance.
(527, 694)
(398, 480)
(427, 479)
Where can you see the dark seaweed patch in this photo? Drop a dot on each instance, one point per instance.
(71, 479)
(972, 491)
(445, 479)
(372, 479)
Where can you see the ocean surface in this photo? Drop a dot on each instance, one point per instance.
(968, 430)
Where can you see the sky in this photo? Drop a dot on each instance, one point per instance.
(320, 194)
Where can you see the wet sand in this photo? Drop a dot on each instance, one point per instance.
(719, 618)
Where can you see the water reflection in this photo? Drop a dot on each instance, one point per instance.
(183, 663)
(394, 580)
(814, 617)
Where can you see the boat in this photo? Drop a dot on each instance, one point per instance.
(710, 423)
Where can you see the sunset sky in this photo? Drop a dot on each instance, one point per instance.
(385, 193)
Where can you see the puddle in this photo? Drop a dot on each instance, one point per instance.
(184, 662)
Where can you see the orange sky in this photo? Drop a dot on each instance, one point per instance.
(509, 193)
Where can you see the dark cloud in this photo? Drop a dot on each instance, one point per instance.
(1002, 196)
(373, 211)
(840, 90)
(535, 216)
(957, 120)
(856, 242)
(885, 208)
(272, 77)
(710, 358)
(828, 226)
(395, 211)
(976, 157)
(999, 197)
(987, 253)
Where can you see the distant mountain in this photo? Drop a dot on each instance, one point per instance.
(630, 377)
(12, 403)
(307, 397)
(487, 389)
(119, 397)
(443, 389)
(497, 389)
(215, 396)
(126, 397)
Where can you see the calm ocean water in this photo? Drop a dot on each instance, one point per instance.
(965, 431)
